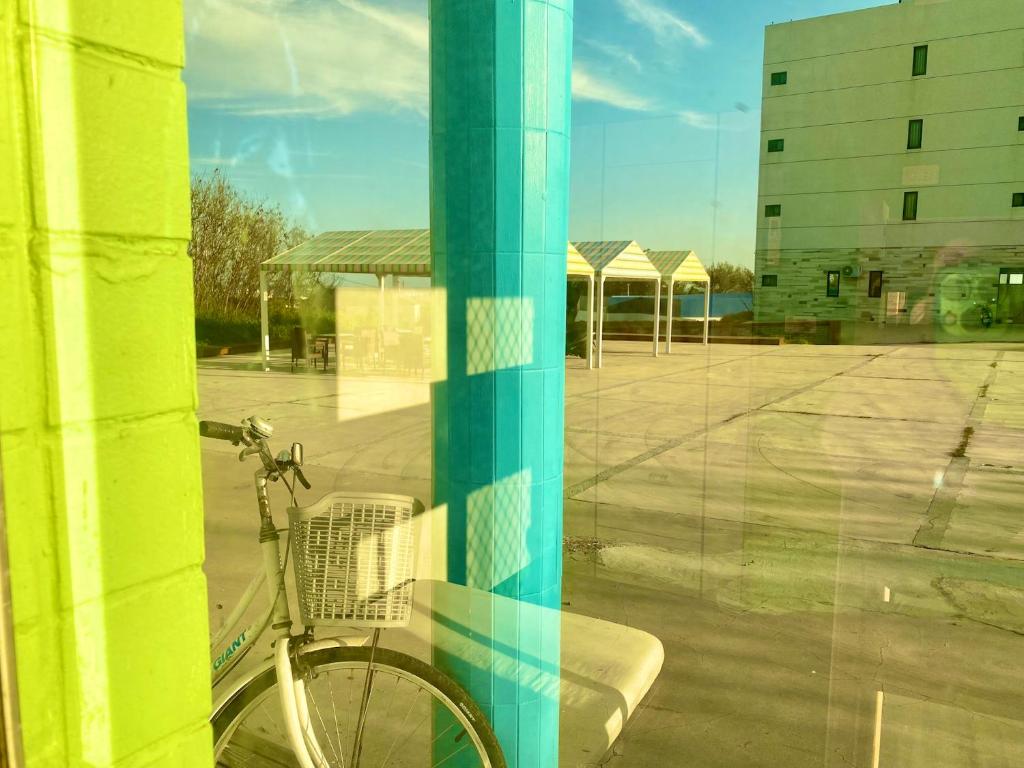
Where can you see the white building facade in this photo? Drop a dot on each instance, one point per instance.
(891, 190)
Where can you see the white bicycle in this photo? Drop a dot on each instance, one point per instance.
(336, 702)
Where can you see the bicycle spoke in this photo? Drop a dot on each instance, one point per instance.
(324, 726)
(275, 722)
(391, 737)
(442, 733)
(400, 730)
(337, 725)
(453, 754)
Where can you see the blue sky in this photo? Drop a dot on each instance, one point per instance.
(320, 106)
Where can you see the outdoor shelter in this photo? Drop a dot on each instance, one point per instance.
(401, 252)
(579, 267)
(681, 267)
(620, 260)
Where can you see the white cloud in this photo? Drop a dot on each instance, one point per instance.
(295, 57)
(701, 120)
(666, 27)
(615, 52)
(588, 87)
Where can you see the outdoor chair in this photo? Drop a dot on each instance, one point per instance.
(301, 348)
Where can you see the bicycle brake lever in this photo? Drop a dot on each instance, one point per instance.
(249, 451)
(302, 478)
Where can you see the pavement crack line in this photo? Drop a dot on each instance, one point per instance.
(606, 474)
(932, 531)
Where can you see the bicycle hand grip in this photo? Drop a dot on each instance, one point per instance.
(302, 478)
(220, 431)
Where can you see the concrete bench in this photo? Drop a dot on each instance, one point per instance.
(606, 668)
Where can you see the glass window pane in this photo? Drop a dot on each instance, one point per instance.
(910, 206)
(875, 284)
(915, 134)
(832, 284)
(920, 60)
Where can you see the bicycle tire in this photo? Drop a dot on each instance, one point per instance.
(453, 697)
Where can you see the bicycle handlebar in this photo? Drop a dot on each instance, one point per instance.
(255, 438)
(220, 431)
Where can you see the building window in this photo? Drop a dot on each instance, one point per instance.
(780, 78)
(1020, 123)
(875, 284)
(920, 60)
(910, 206)
(772, 211)
(776, 145)
(769, 281)
(915, 134)
(832, 283)
(1018, 199)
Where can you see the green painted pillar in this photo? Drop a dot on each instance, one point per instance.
(500, 99)
(98, 440)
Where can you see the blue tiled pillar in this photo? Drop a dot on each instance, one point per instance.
(500, 97)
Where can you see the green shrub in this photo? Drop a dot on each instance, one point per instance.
(236, 329)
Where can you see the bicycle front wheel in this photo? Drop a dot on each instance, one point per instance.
(416, 716)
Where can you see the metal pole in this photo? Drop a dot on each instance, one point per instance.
(590, 322)
(264, 321)
(380, 321)
(668, 330)
(604, 163)
(714, 214)
(707, 308)
(600, 323)
(657, 314)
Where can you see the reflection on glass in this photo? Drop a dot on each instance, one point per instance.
(804, 539)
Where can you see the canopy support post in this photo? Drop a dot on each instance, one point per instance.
(590, 322)
(707, 309)
(657, 315)
(668, 330)
(264, 320)
(380, 319)
(600, 322)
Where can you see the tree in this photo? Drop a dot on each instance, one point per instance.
(231, 236)
(730, 278)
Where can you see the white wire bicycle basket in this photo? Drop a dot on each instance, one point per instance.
(353, 559)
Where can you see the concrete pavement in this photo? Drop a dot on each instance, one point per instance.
(802, 527)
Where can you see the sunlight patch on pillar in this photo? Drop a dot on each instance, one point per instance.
(499, 333)
(497, 518)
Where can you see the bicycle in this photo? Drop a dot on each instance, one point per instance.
(353, 564)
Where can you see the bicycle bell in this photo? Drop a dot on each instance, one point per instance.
(259, 427)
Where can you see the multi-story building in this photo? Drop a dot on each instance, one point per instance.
(892, 167)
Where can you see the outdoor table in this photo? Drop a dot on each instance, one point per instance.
(327, 339)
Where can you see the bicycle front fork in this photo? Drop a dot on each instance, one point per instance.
(297, 724)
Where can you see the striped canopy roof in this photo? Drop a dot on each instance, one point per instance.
(576, 265)
(618, 258)
(384, 252)
(381, 252)
(681, 266)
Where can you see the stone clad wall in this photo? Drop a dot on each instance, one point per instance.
(98, 439)
(936, 281)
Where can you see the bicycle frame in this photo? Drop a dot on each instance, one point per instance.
(276, 612)
(234, 651)
(277, 616)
